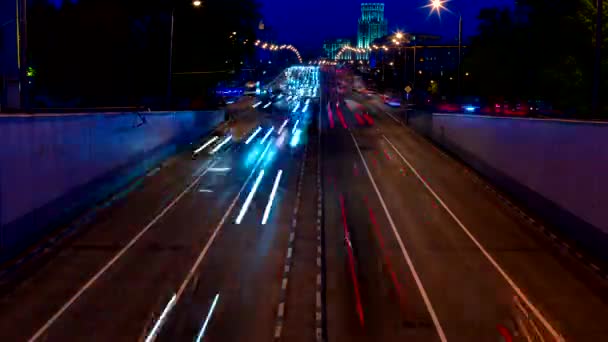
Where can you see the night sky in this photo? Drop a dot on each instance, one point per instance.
(307, 23)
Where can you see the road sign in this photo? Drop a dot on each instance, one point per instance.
(408, 89)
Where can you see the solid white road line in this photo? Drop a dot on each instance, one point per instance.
(202, 332)
(406, 255)
(504, 274)
(161, 320)
(112, 261)
(257, 104)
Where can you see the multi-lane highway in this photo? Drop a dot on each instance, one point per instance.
(328, 219)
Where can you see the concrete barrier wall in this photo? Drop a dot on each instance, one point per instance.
(54, 166)
(557, 168)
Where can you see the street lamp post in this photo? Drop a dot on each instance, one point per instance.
(195, 3)
(598, 60)
(437, 6)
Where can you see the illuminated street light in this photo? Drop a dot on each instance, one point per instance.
(197, 3)
(437, 6)
(399, 35)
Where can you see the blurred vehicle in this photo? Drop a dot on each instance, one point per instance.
(392, 101)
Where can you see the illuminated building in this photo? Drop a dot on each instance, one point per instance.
(372, 24)
(333, 46)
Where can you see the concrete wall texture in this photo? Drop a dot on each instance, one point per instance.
(53, 166)
(558, 168)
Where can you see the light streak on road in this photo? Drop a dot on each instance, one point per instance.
(219, 169)
(272, 195)
(295, 140)
(257, 104)
(295, 126)
(201, 333)
(296, 108)
(220, 145)
(249, 198)
(283, 126)
(257, 131)
(268, 105)
(211, 141)
(161, 320)
(267, 135)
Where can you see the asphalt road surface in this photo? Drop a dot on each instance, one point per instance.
(342, 226)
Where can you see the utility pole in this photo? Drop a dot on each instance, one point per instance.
(22, 50)
(460, 53)
(170, 78)
(596, 106)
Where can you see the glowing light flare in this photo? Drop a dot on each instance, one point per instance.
(220, 145)
(257, 131)
(267, 135)
(249, 198)
(273, 193)
(437, 6)
(211, 141)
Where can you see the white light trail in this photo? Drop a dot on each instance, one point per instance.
(249, 198)
(220, 145)
(257, 104)
(295, 127)
(211, 141)
(161, 320)
(267, 135)
(296, 108)
(272, 195)
(267, 105)
(257, 131)
(283, 126)
(202, 332)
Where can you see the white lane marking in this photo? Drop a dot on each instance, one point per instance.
(112, 261)
(249, 198)
(504, 274)
(268, 105)
(392, 117)
(219, 169)
(161, 320)
(220, 145)
(296, 108)
(257, 131)
(257, 104)
(203, 253)
(272, 195)
(211, 141)
(200, 335)
(406, 255)
(205, 190)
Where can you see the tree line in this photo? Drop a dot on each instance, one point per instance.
(89, 53)
(544, 49)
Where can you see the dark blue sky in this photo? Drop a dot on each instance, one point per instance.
(307, 23)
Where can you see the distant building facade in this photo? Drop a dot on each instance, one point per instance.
(332, 47)
(372, 24)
